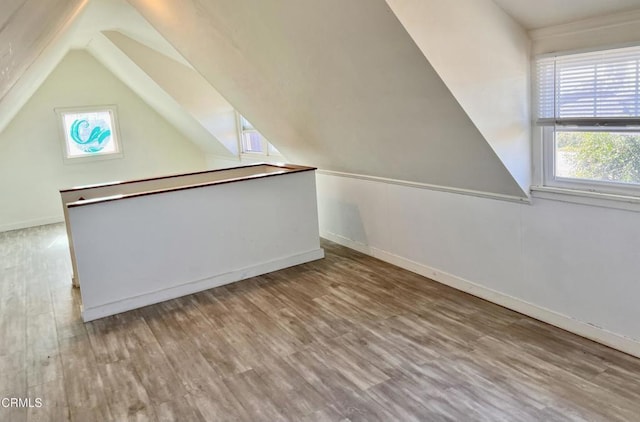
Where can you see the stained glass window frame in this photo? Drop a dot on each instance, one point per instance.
(70, 151)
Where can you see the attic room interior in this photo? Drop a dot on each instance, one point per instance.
(319, 210)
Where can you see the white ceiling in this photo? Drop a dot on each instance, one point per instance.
(534, 14)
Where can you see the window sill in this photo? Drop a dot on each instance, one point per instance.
(596, 199)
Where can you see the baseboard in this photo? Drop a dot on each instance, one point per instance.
(112, 308)
(583, 329)
(30, 223)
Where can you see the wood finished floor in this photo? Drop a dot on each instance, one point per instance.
(345, 338)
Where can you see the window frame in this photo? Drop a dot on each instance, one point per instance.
(549, 178)
(544, 153)
(61, 112)
(265, 145)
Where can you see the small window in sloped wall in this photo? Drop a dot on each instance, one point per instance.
(252, 142)
(89, 133)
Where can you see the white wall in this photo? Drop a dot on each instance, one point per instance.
(215, 162)
(572, 265)
(31, 165)
(482, 55)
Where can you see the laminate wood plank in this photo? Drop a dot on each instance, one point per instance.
(211, 307)
(553, 415)
(264, 300)
(151, 364)
(201, 326)
(13, 384)
(347, 338)
(383, 354)
(12, 284)
(108, 338)
(181, 408)
(43, 367)
(38, 296)
(269, 334)
(560, 352)
(14, 414)
(41, 332)
(66, 307)
(303, 331)
(13, 323)
(98, 413)
(82, 380)
(126, 396)
(403, 406)
(567, 390)
(251, 393)
(11, 363)
(342, 310)
(324, 323)
(326, 414)
(336, 388)
(429, 334)
(213, 408)
(288, 390)
(378, 309)
(233, 303)
(190, 367)
(54, 402)
(391, 339)
(353, 365)
(621, 382)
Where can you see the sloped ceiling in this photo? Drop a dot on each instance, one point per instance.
(483, 56)
(186, 86)
(34, 37)
(26, 28)
(333, 83)
(83, 31)
(340, 85)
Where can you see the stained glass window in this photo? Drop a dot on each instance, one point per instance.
(89, 132)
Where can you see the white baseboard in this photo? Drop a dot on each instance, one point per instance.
(30, 223)
(583, 329)
(112, 308)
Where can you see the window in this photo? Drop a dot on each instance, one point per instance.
(589, 107)
(89, 133)
(252, 142)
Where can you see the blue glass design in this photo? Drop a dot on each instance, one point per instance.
(95, 139)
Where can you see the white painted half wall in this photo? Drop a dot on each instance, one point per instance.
(570, 265)
(31, 164)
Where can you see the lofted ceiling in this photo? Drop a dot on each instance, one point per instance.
(84, 30)
(349, 91)
(536, 14)
(26, 28)
(339, 85)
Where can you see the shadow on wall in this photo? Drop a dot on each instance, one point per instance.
(351, 225)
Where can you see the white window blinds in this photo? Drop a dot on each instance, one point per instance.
(597, 88)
